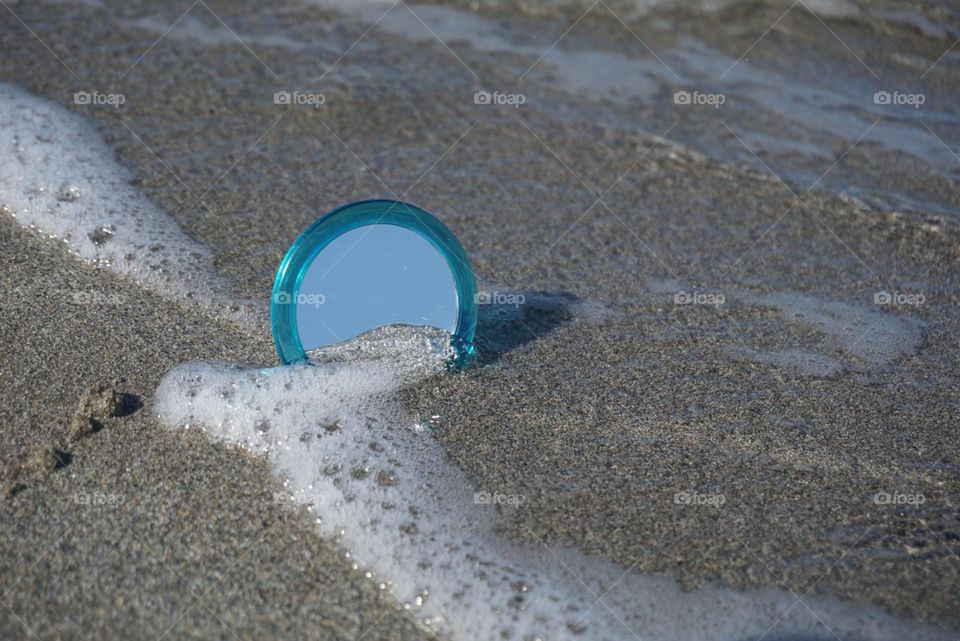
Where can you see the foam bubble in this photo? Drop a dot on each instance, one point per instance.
(380, 483)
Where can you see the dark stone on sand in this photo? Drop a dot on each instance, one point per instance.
(101, 235)
(386, 478)
(103, 400)
(13, 488)
(46, 460)
(331, 426)
(9, 484)
(81, 426)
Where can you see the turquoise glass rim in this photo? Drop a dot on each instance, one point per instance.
(286, 286)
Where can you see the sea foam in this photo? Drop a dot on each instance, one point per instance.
(58, 176)
(379, 482)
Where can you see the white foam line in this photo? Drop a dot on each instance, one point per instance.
(381, 484)
(58, 176)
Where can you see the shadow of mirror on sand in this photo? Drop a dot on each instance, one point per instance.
(507, 321)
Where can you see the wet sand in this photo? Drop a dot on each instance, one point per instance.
(145, 531)
(744, 443)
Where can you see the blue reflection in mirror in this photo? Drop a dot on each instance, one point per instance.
(372, 276)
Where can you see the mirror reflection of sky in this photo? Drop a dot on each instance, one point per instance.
(372, 276)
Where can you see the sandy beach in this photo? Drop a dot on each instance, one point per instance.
(723, 344)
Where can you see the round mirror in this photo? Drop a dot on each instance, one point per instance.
(369, 265)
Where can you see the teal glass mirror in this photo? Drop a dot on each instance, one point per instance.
(367, 265)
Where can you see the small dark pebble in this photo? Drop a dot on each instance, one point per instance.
(101, 401)
(46, 460)
(360, 472)
(332, 469)
(101, 235)
(331, 426)
(13, 488)
(81, 426)
(386, 478)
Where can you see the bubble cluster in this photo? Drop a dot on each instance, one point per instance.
(414, 524)
(59, 177)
